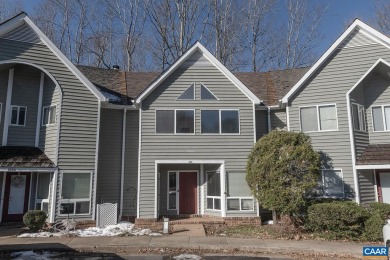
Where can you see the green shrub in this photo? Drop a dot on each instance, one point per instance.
(337, 220)
(379, 212)
(34, 219)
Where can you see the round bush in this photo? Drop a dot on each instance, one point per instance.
(337, 220)
(379, 212)
(34, 219)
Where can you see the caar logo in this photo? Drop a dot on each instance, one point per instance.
(375, 252)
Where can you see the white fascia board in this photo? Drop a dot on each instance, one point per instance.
(213, 60)
(357, 24)
(368, 72)
(23, 18)
(373, 167)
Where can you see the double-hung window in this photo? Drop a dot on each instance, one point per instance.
(358, 117)
(76, 193)
(179, 121)
(381, 118)
(49, 115)
(213, 190)
(318, 118)
(18, 115)
(220, 121)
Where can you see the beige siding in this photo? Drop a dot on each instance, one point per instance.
(51, 96)
(131, 163)
(330, 85)
(278, 119)
(261, 123)
(234, 149)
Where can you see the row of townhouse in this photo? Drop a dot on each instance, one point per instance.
(177, 142)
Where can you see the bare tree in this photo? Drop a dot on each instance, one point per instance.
(295, 42)
(177, 24)
(257, 29)
(9, 8)
(382, 17)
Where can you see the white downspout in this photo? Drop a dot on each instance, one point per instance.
(123, 163)
(269, 119)
(223, 193)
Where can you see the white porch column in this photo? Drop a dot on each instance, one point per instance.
(39, 115)
(7, 114)
(2, 196)
(53, 201)
(201, 180)
(223, 187)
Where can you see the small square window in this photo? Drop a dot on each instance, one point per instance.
(18, 115)
(49, 115)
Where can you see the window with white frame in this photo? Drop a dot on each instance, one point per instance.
(42, 191)
(240, 203)
(179, 121)
(18, 115)
(381, 118)
(49, 115)
(213, 190)
(172, 190)
(220, 121)
(358, 117)
(318, 118)
(75, 193)
(331, 184)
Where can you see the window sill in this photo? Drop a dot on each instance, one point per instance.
(321, 131)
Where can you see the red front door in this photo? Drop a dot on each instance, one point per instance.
(188, 193)
(16, 196)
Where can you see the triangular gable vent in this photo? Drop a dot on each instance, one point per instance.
(206, 94)
(188, 94)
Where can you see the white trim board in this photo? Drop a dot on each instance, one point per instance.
(189, 161)
(23, 18)
(357, 24)
(373, 167)
(198, 47)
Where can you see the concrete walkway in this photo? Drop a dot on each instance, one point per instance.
(137, 244)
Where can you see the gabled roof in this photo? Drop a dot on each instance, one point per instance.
(198, 47)
(375, 154)
(357, 24)
(21, 19)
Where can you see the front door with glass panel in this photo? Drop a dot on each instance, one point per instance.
(16, 196)
(384, 180)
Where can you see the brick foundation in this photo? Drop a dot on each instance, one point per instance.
(82, 224)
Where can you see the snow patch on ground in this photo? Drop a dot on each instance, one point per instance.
(187, 257)
(122, 228)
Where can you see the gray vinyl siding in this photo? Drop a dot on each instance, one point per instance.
(261, 123)
(25, 92)
(79, 106)
(361, 137)
(234, 149)
(330, 85)
(366, 186)
(278, 119)
(131, 163)
(51, 96)
(377, 92)
(110, 156)
(22, 33)
(357, 38)
(3, 98)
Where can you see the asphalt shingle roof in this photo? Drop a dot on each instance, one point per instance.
(267, 86)
(375, 154)
(24, 157)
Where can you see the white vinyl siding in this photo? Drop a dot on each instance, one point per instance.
(18, 115)
(318, 118)
(381, 118)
